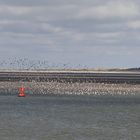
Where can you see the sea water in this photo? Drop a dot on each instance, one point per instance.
(82, 117)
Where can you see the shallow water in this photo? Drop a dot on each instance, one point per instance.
(70, 118)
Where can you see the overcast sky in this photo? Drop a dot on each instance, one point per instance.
(91, 33)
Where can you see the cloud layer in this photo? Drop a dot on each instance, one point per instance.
(86, 32)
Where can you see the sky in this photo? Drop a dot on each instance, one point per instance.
(76, 33)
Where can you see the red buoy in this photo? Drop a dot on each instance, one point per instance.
(21, 92)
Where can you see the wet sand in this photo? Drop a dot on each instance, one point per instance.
(71, 76)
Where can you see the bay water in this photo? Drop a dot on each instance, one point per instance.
(68, 117)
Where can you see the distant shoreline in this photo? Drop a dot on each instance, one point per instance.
(81, 69)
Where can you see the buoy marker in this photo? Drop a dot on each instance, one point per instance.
(21, 91)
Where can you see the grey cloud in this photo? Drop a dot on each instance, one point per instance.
(49, 2)
(71, 31)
